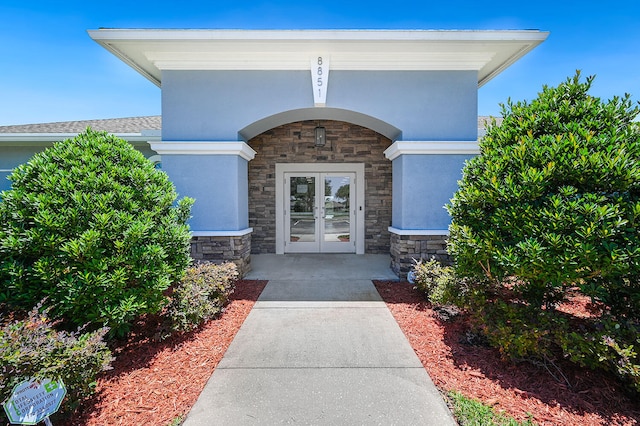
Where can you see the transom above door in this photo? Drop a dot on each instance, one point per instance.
(319, 208)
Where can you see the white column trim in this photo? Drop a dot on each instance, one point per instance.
(203, 148)
(398, 231)
(399, 148)
(239, 233)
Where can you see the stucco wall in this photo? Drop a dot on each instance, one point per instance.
(294, 143)
(423, 184)
(216, 105)
(218, 183)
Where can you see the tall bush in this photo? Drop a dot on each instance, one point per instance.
(91, 225)
(552, 204)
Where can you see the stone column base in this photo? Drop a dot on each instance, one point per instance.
(408, 249)
(220, 249)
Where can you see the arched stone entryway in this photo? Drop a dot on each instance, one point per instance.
(345, 143)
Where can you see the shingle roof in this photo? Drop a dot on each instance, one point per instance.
(111, 125)
(125, 125)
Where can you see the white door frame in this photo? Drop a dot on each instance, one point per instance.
(320, 243)
(282, 168)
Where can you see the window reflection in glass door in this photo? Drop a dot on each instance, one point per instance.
(302, 209)
(336, 212)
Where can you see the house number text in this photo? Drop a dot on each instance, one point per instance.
(320, 79)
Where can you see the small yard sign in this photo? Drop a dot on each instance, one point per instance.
(33, 401)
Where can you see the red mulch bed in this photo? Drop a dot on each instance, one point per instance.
(593, 398)
(153, 382)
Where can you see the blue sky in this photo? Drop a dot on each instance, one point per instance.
(50, 70)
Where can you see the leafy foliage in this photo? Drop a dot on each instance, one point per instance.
(436, 281)
(32, 348)
(90, 224)
(552, 204)
(201, 295)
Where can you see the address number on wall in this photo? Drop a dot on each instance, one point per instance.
(320, 79)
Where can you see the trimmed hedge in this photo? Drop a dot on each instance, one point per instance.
(91, 225)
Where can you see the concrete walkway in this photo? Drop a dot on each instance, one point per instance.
(320, 347)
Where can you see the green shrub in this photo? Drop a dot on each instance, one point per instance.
(607, 344)
(522, 332)
(437, 282)
(201, 295)
(91, 225)
(553, 204)
(32, 348)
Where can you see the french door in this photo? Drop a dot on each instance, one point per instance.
(320, 212)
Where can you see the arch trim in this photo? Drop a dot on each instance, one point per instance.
(303, 114)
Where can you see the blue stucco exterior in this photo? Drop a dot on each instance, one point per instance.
(218, 105)
(422, 186)
(433, 105)
(218, 183)
(215, 105)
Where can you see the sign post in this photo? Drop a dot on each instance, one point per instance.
(33, 401)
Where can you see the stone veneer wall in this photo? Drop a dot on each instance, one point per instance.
(294, 143)
(406, 249)
(224, 249)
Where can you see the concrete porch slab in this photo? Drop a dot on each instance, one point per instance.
(323, 266)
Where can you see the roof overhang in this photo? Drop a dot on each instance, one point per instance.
(151, 51)
(46, 139)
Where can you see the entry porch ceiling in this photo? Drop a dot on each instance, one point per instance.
(151, 51)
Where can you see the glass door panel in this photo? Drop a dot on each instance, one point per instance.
(337, 217)
(336, 213)
(302, 209)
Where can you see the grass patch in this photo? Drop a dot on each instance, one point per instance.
(470, 412)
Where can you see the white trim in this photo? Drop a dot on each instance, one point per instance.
(357, 168)
(239, 233)
(56, 137)
(204, 148)
(6, 170)
(149, 51)
(398, 231)
(399, 148)
(115, 34)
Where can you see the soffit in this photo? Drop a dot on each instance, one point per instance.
(152, 51)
